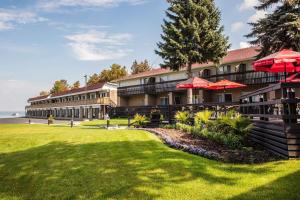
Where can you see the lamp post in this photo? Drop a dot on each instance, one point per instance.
(85, 99)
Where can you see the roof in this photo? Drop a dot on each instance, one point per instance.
(232, 56)
(73, 91)
(82, 89)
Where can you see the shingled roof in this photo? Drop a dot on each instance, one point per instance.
(232, 56)
(73, 91)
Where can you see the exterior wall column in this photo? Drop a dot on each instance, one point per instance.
(146, 100)
(90, 113)
(80, 113)
(171, 98)
(201, 96)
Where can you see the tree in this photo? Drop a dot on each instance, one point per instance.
(76, 85)
(279, 29)
(44, 93)
(192, 34)
(94, 79)
(115, 72)
(137, 68)
(60, 86)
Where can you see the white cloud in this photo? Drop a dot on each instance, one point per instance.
(257, 15)
(248, 4)
(54, 4)
(10, 18)
(244, 44)
(97, 46)
(237, 26)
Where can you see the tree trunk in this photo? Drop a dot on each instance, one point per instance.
(190, 90)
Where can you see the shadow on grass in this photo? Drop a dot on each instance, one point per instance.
(287, 187)
(119, 170)
(98, 171)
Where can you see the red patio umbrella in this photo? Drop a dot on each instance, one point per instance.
(282, 61)
(295, 78)
(225, 84)
(193, 83)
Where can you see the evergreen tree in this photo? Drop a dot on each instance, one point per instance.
(192, 34)
(279, 29)
(137, 68)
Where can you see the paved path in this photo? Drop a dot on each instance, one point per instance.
(25, 121)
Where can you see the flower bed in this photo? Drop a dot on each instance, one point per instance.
(210, 149)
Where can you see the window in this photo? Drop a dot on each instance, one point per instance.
(177, 100)
(242, 68)
(206, 73)
(225, 69)
(103, 95)
(195, 99)
(224, 98)
(164, 101)
(164, 78)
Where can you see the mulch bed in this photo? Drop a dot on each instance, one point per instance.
(213, 150)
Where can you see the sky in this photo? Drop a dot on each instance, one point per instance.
(46, 40)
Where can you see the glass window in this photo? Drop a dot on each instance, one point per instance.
(164, 101)
(177, 100)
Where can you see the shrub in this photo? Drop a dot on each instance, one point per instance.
(240, 125)
(184, 127)
(168, 126)
(50, 119)
(140, 120)
(203, 117)
(182, 117)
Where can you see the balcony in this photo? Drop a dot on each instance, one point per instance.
(247, 78)
(154, 88)
(100, 101)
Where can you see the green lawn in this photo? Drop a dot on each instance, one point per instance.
(41, 162)
(120, 122)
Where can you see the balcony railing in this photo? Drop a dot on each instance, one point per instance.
(247, 78)
(153, 88)
(100, 101)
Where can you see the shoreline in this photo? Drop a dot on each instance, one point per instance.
(24, 120)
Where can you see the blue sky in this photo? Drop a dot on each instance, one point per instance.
(46, 40)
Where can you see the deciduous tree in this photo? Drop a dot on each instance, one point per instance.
(60, 86)
(137, 68)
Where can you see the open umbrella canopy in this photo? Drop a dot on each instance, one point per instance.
(225, 84)
(282, 61)
(295, 78)
(193, 83)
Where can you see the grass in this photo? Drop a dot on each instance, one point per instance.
(41, 162)
(120, 122)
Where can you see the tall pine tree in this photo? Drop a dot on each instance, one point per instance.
(279, 29)
(191, 34)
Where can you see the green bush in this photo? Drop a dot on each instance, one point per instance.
(182, 117)
(140, 120)
(240, 125)
(184, 127)
(168, 126)
(202, 117)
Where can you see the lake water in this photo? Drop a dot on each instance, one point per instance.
(9, 114)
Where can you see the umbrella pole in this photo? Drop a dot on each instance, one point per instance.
(225, 100)
(285, 72)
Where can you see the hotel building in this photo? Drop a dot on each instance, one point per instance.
(158, 86)
(90, 102)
